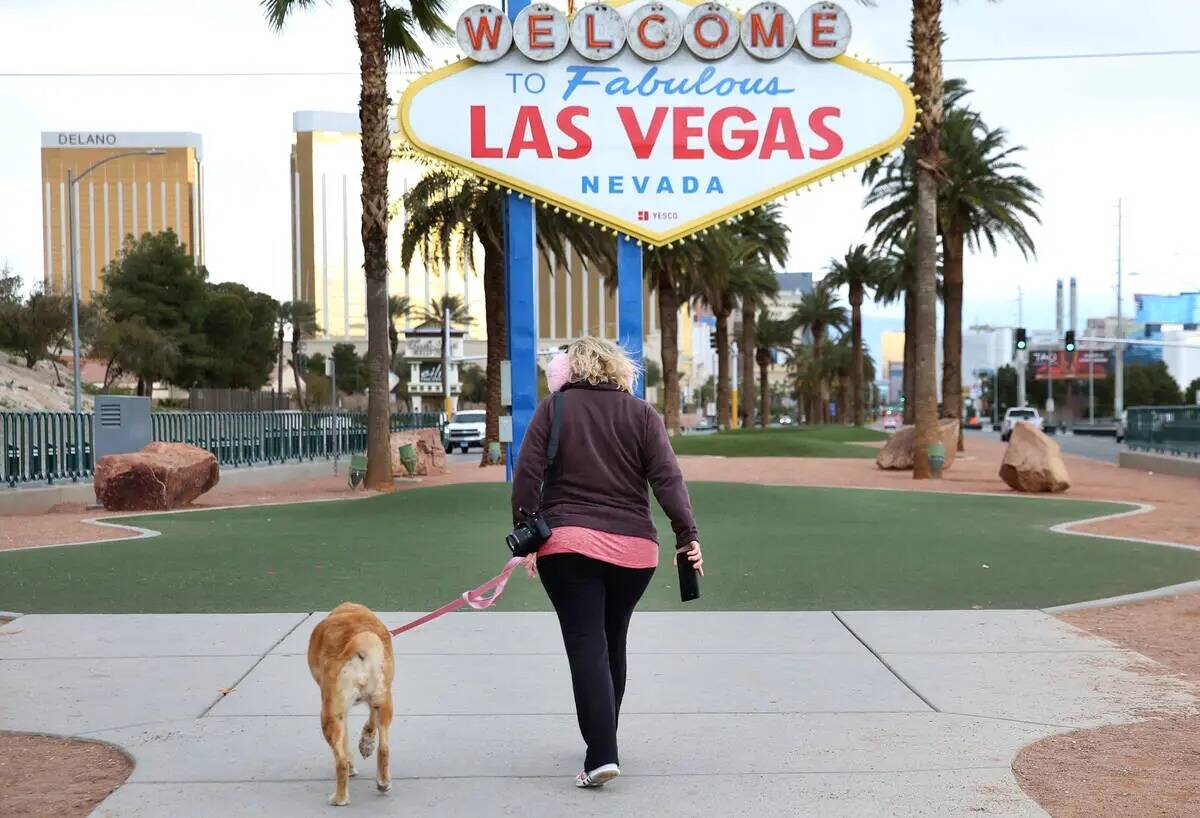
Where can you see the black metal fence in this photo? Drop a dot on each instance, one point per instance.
(40, 447)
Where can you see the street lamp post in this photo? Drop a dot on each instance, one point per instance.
(73, 180)
(1119, 374)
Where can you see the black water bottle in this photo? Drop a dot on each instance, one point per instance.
(689, 579)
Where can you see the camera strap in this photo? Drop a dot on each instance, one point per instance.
(556, 408)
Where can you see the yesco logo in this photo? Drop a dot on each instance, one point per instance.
(656, 118)
(654, 32)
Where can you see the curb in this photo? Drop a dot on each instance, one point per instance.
(1127, 599)
(143, 533)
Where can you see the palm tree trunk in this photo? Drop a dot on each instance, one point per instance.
(822, 413)
(497, 341)
(910, 352)
(952, 303)
(856, 365)
(393, 344)
(927, 75)
(279, 375)
(376, 150)
(668, 322)
(724, 395)
(764, 394)
(296, 346)
(746, 376)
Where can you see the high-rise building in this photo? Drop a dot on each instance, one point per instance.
(127, 196)
(327, 259)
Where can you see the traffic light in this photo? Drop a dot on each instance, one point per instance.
(1022, 340)
(712, 340)
(1069, 344)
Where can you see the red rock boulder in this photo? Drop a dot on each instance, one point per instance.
(159, 477)
(1033, 462)
(897, 452)
(431, 456)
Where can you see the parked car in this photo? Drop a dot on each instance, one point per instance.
(891, 423)
(464, 431)
(785, 420)
(1015, 415)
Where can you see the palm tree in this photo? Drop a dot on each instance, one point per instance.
(732, 268)
(453, 305)
(838, 364)
(303, 319)
(981, 198)
(398, 307)
(897, 283)
(382, 32)
(283, 317)
(818, 312)
(927, 82)
(805, 379)
(444, 313)
(859, 270)
(770, 334)
(447, 213)
(672, 274)
(837, 360)
(764, 226)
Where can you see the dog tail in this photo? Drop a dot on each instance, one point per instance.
(366, 651)
(367, 648)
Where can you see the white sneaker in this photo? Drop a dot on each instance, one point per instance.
(597, 777)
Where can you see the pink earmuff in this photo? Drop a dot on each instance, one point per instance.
(558, 372)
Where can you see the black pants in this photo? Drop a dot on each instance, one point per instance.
(594, 601)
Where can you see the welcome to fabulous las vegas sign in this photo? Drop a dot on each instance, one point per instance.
(660, 118)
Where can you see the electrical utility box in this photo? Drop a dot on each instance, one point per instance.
(120, 424)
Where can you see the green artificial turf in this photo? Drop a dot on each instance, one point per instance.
(796, 441)
(766, 548)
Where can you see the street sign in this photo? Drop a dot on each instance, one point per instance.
(687, 117)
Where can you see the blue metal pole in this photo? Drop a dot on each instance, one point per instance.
(520, 234)
(629, 301)
(522, 323)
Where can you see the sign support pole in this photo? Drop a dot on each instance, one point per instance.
(520, 235)
(629, 304)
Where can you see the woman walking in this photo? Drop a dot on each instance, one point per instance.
(603, 547)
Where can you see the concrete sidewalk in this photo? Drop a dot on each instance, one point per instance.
(755, 714)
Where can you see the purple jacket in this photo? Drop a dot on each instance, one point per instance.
(611, 446)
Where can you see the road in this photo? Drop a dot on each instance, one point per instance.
(1097, 448)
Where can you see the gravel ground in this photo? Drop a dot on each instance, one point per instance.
(1148, 768)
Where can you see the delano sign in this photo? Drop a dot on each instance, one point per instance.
(656, 119)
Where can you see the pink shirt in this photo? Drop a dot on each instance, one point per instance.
(618, 549)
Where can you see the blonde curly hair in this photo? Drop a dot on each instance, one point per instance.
(597, 361)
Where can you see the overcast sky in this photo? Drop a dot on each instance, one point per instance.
(1094, 129)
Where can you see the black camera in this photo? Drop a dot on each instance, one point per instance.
(528, 535)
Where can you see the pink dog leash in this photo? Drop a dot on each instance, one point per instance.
(485, 596)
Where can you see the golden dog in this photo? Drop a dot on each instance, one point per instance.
(350, 656)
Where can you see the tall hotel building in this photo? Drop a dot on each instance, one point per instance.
(128, 196)
(327, 261)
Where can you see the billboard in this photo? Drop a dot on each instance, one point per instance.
(1060, 365)
(657, 118)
